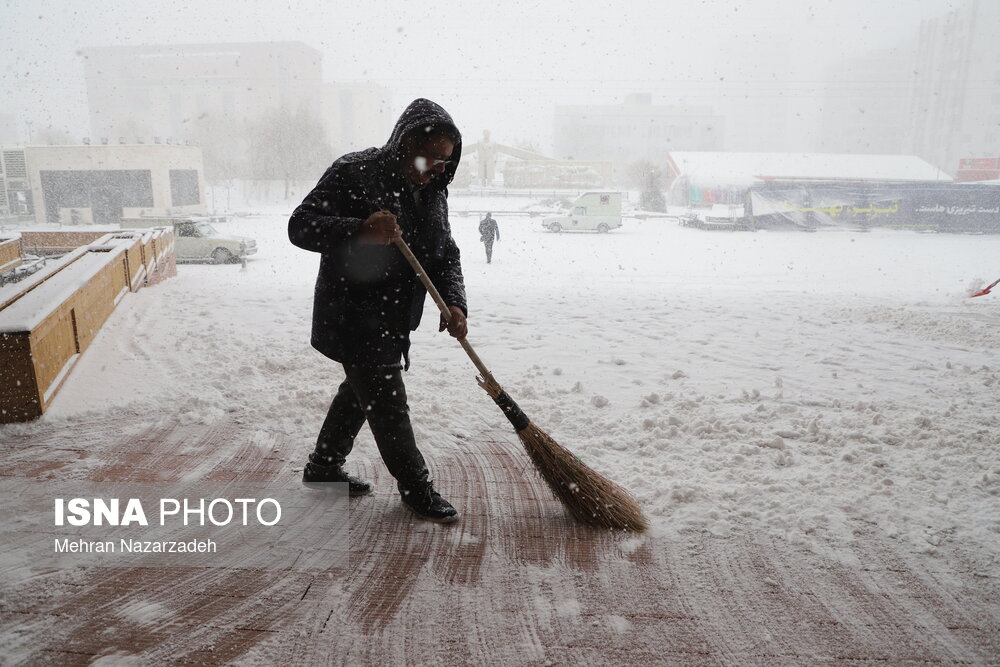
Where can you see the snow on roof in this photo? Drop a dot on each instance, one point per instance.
(744, 169)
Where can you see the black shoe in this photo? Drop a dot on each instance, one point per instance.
(428, 503)
(315, 473)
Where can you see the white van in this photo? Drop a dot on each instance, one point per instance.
(592, 211)
(196, 240)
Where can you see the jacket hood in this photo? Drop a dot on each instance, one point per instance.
(420, 114)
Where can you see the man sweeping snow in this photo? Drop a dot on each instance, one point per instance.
(368, 299)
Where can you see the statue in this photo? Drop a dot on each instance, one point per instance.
(486, 159)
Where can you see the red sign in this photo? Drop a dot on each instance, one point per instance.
(979, 163)
(978, 169)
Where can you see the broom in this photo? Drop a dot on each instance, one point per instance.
(590, 497)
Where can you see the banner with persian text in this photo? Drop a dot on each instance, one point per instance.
(945, 207)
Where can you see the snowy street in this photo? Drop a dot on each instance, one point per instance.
(732, 280)
(722, 378)
(808, 419)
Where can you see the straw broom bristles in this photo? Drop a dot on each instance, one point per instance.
(589, 496)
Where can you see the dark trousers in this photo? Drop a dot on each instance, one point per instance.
(378, 396)
(489, 251)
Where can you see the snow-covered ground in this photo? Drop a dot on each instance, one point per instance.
(807, 385)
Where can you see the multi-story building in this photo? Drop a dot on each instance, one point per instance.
(636, 130)
(155, 93)
(955, 102)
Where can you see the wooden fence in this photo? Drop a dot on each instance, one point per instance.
(51, 318)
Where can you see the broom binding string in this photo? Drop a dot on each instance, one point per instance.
(511, 410)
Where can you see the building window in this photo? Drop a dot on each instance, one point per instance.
(15, 164)
(105, 192)
(184, 187)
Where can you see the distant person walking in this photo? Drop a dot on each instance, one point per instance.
(488, 232)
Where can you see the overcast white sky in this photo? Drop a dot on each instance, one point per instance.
(498, 65)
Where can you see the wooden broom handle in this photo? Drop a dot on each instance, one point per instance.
(442, 306)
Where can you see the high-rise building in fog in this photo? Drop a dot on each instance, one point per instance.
(955, 103)
(634, 130)
(177, 91)
(935, 95)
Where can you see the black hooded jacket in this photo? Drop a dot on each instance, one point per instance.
(489, 229)
(367, 298)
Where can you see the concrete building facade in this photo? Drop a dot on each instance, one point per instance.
(101, 184)
(633, 131)
(150, 93)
